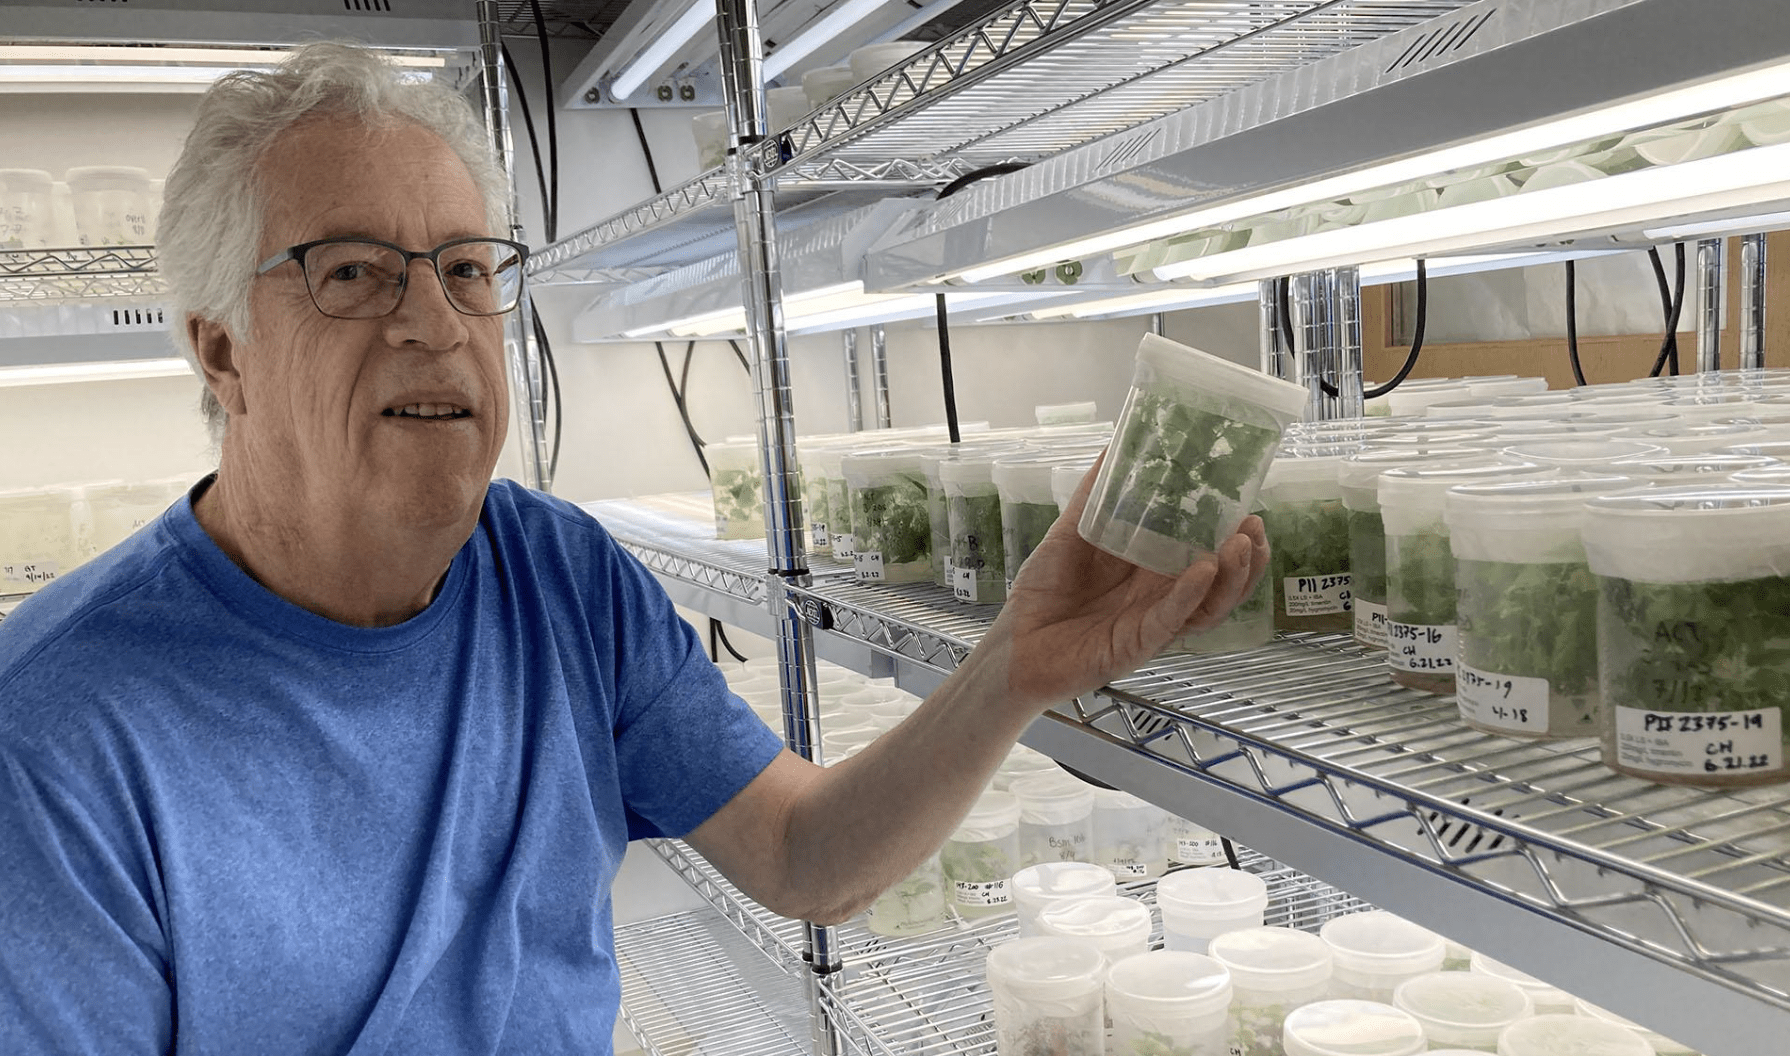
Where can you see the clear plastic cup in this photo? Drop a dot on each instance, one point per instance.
(1028, 508)
(982, 855)
(1118, 927)
(1570, 1035)
(1165, 1001)
(38, 538)
(710, 132)
(1693, 631)
(1673, 470)
(27, 209)
(1373, 952)
(973, 519)
(1273, 971)
(1066, 478)
(1056, 818)
(891, 529)
(1039, 886)
(1308, 531)
(737, 482)
(1198, 905)
(1546, 998)
(1662, 1045)
(1193, 442)
(1351, 1028)
(1592, 455)
(827, 83)
(1694, 438)
(1526, 605)
(1048, 997)
(111, 204)
(932, 461)
(1462, 1008)
(914, 906)
(1128, 835)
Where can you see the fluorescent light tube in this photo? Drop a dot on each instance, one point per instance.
(1739, 224)
(113, 370)
(198, 56)
(1754, 176)
(1663, 107)
(663, 47)
(1153, 300)
(803, 44)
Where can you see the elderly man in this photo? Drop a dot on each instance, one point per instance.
(340, 755)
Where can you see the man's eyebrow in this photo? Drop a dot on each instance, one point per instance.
(361, 233)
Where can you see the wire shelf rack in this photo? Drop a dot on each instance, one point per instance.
(691, 985)
(1312, 724)
(79, 273)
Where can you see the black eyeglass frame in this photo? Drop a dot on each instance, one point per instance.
(433, 256)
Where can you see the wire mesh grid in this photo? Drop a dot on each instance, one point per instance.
(691, 985)
(79, 273)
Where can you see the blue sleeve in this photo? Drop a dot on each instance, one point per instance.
(684, 743)
(82, 967)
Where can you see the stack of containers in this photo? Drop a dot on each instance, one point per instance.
(1308, 530)
(1028, 506)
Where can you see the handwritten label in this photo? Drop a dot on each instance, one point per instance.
(1317, 595)
(844, 545)
(963, 584)
(817, 532)
(988, 893)
(1505, 702)
(1421, 647)
(869, 564)
(1127, 869)
(1199, 850)
(32, 573)
(1716, 742)
(1370, 624)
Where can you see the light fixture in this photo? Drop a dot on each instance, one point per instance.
(125, 53)
(1748, 177)
(803, 44)
(112, 370)
(1663, 107)
(1157, 299)
(1734, 225)
(630, 77)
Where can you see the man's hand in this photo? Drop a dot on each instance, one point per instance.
(1078, 617)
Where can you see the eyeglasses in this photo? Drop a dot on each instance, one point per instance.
(362, 278)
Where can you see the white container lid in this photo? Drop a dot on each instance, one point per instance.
(1414, 497)
(1118, 799)
(1406, 438)
(1543, 994)
(1113, 923)
(20, 181)
(1066, 478)
(1026, 478)
(1295, 476)
(1053, 798)
(1694, 534)
(1184, 984)
(1360, 472)
(1662, 1045)
(1564, 1035)
(1047, 968)
(862, 468)
(1507, 386)
(1580, 454)
(1687, 469)
(1468, 407)
(1065, 413)
(1462, 1001)
(1778, 474)
(1351, 1028)
(1535, 521)
(1689, 438)
(1208, 373)
(1409, 400)
(969, 468)
(1272, 959)
(994, 815)
(1038, 885)
(117, 176)
(1382, 943)
(1214, 893)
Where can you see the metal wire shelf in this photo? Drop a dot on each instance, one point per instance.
(79, 273)
(690, 984)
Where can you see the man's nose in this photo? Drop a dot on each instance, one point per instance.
(425, 316)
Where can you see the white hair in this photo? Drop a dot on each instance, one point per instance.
(211, 220)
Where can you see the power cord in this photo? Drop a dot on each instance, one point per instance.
(677, 397)
(1665, 304)
(944, 327)
(552, 120)
(1423, 305)
(718, 632)
(1572, 322)
(1668, 352)
(549, 213)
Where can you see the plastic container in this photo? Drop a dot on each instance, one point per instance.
(1273, 971)
(938, 518)
(27, 209)
(827, 83)
(737, 480)
(1128, 835)
(709, 129)
(784, 107)
(1462, 1008)
(1546, 999)
(1166, 1002)
(1694, 438)
(914, 906)
(1023, 762)
(1570, 1035)
(1662, 1045)
(1249, 626)
(1409, 399)
(1420, 590)
(111, 204)
(873, 59)
(1118, 927)
(1064, 479)
(982, 855)
(38, 539)
(891, 530)
(1048, 997)
(1351, 1028)
(1193, 442)
(973, 513)
(1192, 844)
(1358, 481)
(1489, 387)
(1200, 904)
(1583, 456)
(1028, 508)
(1526, 605)
(116, 511)
(1056, 818)
(1693, 631)
(1308, 531)
(1047, 883)
(1688, 469)
(818, 462)
(1373, 952)
(1065, 413)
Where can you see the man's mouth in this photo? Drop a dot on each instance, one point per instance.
(429, 412)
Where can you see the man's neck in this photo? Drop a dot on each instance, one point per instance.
(353, 573)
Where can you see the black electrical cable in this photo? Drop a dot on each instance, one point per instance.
(739, 355)
(559, 417)
(1230, 852)
(1005, 168)
(552, 121)
(725, 644)
(652, 170)
(1423, 304)
(1665, 304)
(1668, 351)
(1572, 322)
(528, 121)
(1286, 326)
(683, 412)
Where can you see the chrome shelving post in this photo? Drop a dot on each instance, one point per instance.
(527, 380)
(1712, 289)
(854, 396)
(879, 374)
(742, 70)
(1752, 302)
(1346, 282)
(1315, 328)
(1277, 358)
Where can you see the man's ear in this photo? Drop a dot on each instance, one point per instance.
(216, 349)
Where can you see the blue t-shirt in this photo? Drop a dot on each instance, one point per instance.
(229, 825)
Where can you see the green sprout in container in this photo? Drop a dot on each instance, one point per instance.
(890, 519)
(1152, 1043)
(915, 905)
(739, 502)
(978, 558)
(1023, 528)
(1310, 542)
(1054, 1037)
(1258, 1030)
(839, 524)
(981, 873)
(1367, 556)
(1421, 594)
(1534, 621)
